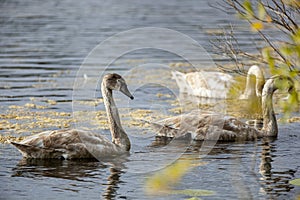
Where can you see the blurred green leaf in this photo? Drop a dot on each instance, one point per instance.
(257, 26)
(248, 7)
(266, 53)
(162, 181)
(261, 11)
(295, 182)
(194, 192)
(296, 37)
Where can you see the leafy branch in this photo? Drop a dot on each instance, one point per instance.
(282, 57)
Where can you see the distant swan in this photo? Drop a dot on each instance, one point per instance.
(212, 126)
(217, 84)
(74, 144)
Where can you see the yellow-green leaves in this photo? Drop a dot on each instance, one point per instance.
(257, 26)
(249, 10)
(261, 11)
(266, 53)
(163, 181)
(292, 3)
(256, 16)
(295, 182)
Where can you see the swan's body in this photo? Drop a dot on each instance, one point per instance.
(217, 84)
(211, 126)
(74, 144)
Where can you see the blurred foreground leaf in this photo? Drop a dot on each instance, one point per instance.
(162, 182)
(295, 182)
(194, 192)
(257, 26)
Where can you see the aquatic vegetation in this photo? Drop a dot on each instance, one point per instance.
(138, 117)
(179, 64)
(18, 121)
(293, 119)
(22, 120)
(94, 102)
(5, 138)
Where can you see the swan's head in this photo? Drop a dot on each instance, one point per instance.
(285, 83)
(116, 82)
(279, 82)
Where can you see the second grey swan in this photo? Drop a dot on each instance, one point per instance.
(212, 126)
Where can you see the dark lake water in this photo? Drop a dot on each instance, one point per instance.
(48, 52)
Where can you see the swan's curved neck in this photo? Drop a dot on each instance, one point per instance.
(255, 77)
(119, 137)
(270, 127)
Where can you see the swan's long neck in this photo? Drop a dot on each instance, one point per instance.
(255, 77)
(119, 137)
(270, 127)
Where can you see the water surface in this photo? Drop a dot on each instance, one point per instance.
(43, 44)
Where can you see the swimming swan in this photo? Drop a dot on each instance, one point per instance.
(74, 144)
(217, 84)
(212, 126)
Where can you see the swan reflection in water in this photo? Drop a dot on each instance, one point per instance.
(273, 182)
(91, 171)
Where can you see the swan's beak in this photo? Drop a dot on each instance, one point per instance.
(125, 91)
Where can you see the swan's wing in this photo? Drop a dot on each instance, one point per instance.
(207, 126)
(180, 125)
(29, 151)
(242, 130)
(66, 144)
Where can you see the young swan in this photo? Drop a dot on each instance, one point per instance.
(212, 126)
(217, 84)
(73, 143)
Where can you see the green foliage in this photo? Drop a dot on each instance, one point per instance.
(261, 11)
(248, 8)
(295, 182)
(163, 181)
(284, 57)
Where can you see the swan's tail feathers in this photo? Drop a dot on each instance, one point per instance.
(29, 151)
(24, 147)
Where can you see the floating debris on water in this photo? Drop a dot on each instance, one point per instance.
(7, 138)
(294, 119)
(180, 64)
(18, 121)
(51, 102)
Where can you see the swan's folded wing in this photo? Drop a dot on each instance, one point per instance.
(67, 144)
(38, 152)
(178, 126)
